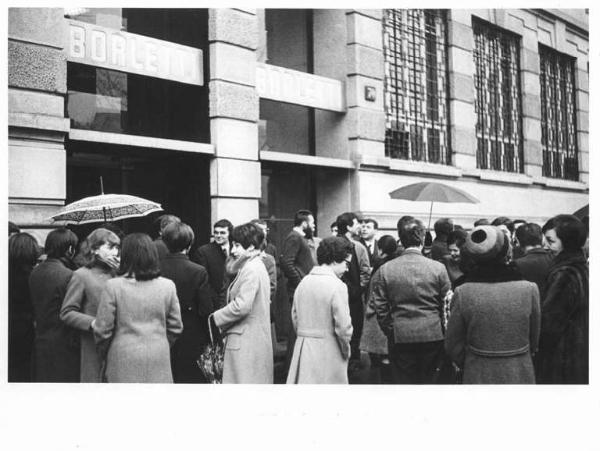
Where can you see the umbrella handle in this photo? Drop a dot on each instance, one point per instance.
(102, 189)
(430, 210)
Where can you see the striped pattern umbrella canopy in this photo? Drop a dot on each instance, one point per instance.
(105, 208)
(433, 192)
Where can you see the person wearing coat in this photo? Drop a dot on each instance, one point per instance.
(23, 252)
(56, 345)
(321, 318)
(564, 341)
(138, 317)
(494, 320)
(99, 252)
(195, 302)
(244, 320)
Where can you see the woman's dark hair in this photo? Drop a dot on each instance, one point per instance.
(457, 237)
(93, 241)
(344, 221)
(59, 241)
(139, 257)
(23, 250)
(412, 234)
(333, 249)
(387, 244)
(503, 220)
(529, 234)
(178, 236)
(570, 230)
(248, 234)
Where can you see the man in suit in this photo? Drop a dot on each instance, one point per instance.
(368, 233)
(213, 255)
(535, 263)
(356, 279)
(408, 295)
(191, 282)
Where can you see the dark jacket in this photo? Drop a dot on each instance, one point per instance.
(212, 258)
(296, 259)
(20, 325)
(408, 294)
(534, 266)
(494, 327)
(374, 255)
(195, 303)
(161, 248)
(564, 340)
(56, 345)
(439, 248)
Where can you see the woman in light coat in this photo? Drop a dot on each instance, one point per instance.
(138, 317)
(99, 253)
(244, 321)
(321, 318)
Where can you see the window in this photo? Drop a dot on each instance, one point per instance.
(497, 99)
(415, 85)
(559, 131)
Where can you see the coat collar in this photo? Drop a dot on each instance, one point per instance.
(322, 271)
(177, 256)
(411, 250)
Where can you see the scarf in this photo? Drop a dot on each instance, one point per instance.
(234, 265)
(493, 273)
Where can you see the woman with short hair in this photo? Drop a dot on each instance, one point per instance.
(138, 317)
(99, 254)
(23, 252)
(564, 339)
(244, 321)
(495, 315)
(56, 356)
(321, 318)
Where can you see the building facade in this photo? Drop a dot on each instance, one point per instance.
(241, 113)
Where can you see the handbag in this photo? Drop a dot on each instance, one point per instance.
(210, 361)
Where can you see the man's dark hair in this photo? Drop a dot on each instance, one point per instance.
(402, 221)
(23, 250)
(178, 236)
(482, 221)
(372, 221)
(388, 245)
(224, 223)
(457, 237)
(333, 249)
(164, 220)
(59, 241)
(503, 220)
(333, 224)
(248, 234)
(529, 234)
(12, 228)
(301, 216)
(139, 257)
(443, 227)
(519, 221)
(569, 229)
(412, 234)
(344, 221)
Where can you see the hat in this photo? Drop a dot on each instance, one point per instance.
(486, 243)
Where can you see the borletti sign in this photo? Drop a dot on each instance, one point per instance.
(127, 52)
(300, 88)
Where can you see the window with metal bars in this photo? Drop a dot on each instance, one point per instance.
(559, 130)
(499, 126)
(415, 85)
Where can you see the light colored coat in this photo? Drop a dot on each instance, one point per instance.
(136, 321)
(79, 310)
(321, 318)
(246, 325)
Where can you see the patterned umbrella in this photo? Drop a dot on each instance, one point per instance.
(433, 192)
(105, 207)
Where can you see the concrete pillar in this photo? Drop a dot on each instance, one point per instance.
(233, 110)
(463, 120)
(582, 96)
(37, 72)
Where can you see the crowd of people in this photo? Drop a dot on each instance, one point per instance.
(503, 303)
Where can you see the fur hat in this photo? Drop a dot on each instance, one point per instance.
(486, 243)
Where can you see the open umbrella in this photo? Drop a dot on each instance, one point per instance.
(105, 207)
(432, 192)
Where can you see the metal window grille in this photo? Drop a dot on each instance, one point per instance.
(559, 130)
(497, 99)
(415, 85)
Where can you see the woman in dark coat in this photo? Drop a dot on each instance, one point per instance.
(564, 340)
(23, 252)
(56, 345)
(195, 302)
(495, 316)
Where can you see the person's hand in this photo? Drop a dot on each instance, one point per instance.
(113, 261)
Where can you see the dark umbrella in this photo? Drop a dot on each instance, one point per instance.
(583, 212)
(432, 192)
